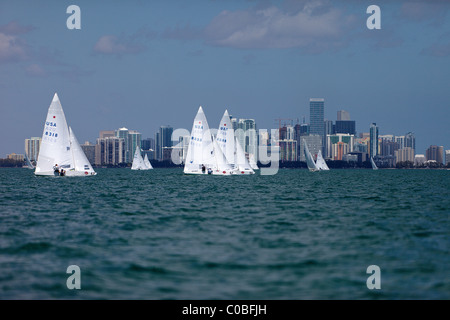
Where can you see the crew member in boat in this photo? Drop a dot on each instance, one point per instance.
(209, 171)
(203, 168)
(56, 168)
(62, 172)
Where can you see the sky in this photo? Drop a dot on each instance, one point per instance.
(144, 64)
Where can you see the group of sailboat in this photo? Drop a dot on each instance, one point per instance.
(319, 164)
(140, 163)
(219, 155)
(60, 153)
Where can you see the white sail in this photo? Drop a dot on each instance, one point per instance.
(226, 139)
(309, 159)
(320, 162)
(222, 167)
(138, 162)
(80, 164)
(374, 166)
(56, 145)
(253, 162)
(242, 164)
(147, 162)
(200, 150)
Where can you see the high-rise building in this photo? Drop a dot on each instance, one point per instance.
(123, 134)
(435, 153)
(163, 141)
(347, 126)
(447, 157)
(32, 147)
(288, 150)
(110, 151)
(373, 147)
(343, 115)
(316, 116)
(387, 145)
(339, 144)
(404, 154)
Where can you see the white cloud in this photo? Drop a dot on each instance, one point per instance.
(11, 48)
(315, 26)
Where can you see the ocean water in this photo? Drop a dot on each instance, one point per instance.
(160, 234)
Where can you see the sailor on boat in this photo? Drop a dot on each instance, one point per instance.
(209, 171)
(203, 168)
(56, 170)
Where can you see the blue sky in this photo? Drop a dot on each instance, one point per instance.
(143, 64)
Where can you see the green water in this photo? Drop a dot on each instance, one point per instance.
(160, 234)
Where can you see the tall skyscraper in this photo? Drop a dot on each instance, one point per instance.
(163, 141)
(447, 157)
(316, 116)
(123, 134)
(373, 147)
(32, 147)
(343, 115)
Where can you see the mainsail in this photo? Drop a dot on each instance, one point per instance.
(320, 162)
(57, 146)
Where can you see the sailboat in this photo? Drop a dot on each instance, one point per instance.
(320, 162)
(309, 159)
(202, 151)
(374, 166)
(60, 147)
(138, 162)
(231, 148)
(147, 162)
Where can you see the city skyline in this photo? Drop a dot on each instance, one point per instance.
(158, 63)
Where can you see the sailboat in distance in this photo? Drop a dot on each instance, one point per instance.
(60, 147)
(138, 162)
(309, 159)
(320, 162)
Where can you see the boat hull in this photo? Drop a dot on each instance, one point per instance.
(68, 174)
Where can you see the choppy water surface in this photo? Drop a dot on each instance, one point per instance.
(160, 234)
